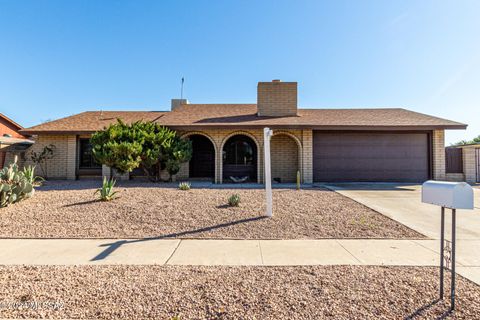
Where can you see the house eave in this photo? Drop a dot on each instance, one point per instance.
(328, 128)
(56, 132)
(273, 126)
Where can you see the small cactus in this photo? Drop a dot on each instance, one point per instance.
(185, 186)
(107, 192)
(29, 173)
(298, 179)
(234, 200)
(14, 185)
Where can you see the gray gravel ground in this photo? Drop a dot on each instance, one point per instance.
(163, 292)
(70, 210)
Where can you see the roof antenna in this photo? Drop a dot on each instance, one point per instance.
(181, 90)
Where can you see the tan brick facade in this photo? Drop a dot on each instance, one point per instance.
(63, 165)
(10, 158)
(283, 166)
(307, 155)
(470, 163)
(438, 154)
(285, 158)
(455, 177)
(218, 138)
(277, 98)
(291, 150)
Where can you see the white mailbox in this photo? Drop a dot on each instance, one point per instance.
(453, 195)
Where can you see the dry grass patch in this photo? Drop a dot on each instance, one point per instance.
(159, 292)
(69, 209)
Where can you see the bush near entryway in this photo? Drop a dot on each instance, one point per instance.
(145, 145)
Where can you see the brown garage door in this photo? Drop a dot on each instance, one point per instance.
(342, 156)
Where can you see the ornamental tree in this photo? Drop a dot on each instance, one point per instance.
(125, 147)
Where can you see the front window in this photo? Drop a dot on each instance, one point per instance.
(238, 151)
(86, 156)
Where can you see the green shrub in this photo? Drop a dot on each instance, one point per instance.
(145, 145)
(184, 186)
(14, 186)
(234, 200)
(107, 192)
(177, 151)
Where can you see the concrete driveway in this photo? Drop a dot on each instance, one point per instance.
(402, 202)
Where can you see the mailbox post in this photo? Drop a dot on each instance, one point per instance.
(452, 195)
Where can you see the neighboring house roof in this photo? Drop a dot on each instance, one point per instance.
(91, 121)
(7, 119)
(10, 140)
(244, 116)
(9, 128)
(8, 144)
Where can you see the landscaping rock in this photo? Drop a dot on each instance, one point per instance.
(163, 292)
(70, 210)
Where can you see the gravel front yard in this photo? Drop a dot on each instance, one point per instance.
(159, 292)
(70, 210)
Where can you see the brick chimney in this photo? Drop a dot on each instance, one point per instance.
(177, 103)
(277, 98)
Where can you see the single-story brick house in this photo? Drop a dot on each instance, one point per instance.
(389, 144)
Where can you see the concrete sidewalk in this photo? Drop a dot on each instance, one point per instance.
(236, 252)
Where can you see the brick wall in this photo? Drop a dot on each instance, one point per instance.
(220, 136)
(457, 177)
(469, 164)
(284, 158)
(438, 153)
(63, 165)
(277, 98)
(307, 154)
(10, 158)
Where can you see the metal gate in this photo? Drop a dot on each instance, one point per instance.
(453, 160)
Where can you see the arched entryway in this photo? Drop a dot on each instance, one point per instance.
(202, 164)
(285, 158)
(239, 157)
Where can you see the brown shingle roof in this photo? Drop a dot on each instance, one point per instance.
(91, 121)
(244, 116)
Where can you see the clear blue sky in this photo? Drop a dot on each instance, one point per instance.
(58, 58)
